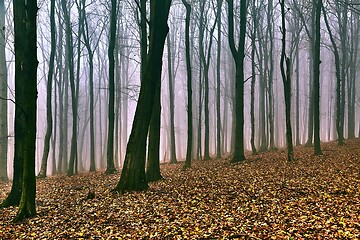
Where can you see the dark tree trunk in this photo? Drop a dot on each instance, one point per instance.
(26, 95)
(286, 77)
(189, 87)
(317, 148)
(238, 55)
(42, 173)
(110, 167)
(133, 173)
(153, 161)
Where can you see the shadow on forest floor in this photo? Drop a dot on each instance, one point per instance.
(262, 197)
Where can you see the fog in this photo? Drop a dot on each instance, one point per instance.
(127, 81)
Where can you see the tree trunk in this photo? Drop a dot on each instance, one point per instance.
(219, 150)
(238, 55)
(189, 87)
(253, 79)
(42, 173)
(153, 162)
(286, 77)
(172, 105)
(3, 98)
(110, 167)
(26, 84)
(133, 173)
(317, 148)
(69, 45)
(338, 79)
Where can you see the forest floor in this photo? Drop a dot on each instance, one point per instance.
(264, 197)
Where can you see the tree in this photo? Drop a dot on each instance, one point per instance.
(339, 128)
(110, 167)
(3, 98)
(172, 105)
(316, 72)
(70, 58)
(218, 83)
(25, 98)
(49, 120)
(286, 77)
(238, 55)
(133, 172)
(189, 147)
(87, 42)
(205, 60)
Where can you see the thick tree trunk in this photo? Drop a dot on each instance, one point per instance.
(238, 55)
(133, 173)
(26, 82)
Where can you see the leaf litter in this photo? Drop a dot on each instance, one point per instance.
(264, 197)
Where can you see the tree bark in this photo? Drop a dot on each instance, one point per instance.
(153, 161)
(26, 84)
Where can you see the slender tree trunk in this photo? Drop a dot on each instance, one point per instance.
(3, 98)
(42, 173)
(70, 53)
(218, 84)
(286, 77)
(110, 167)
(189, 87)
(271, 76)
(172, 105)
(253, 79)
(317, 148)
(338, 79)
